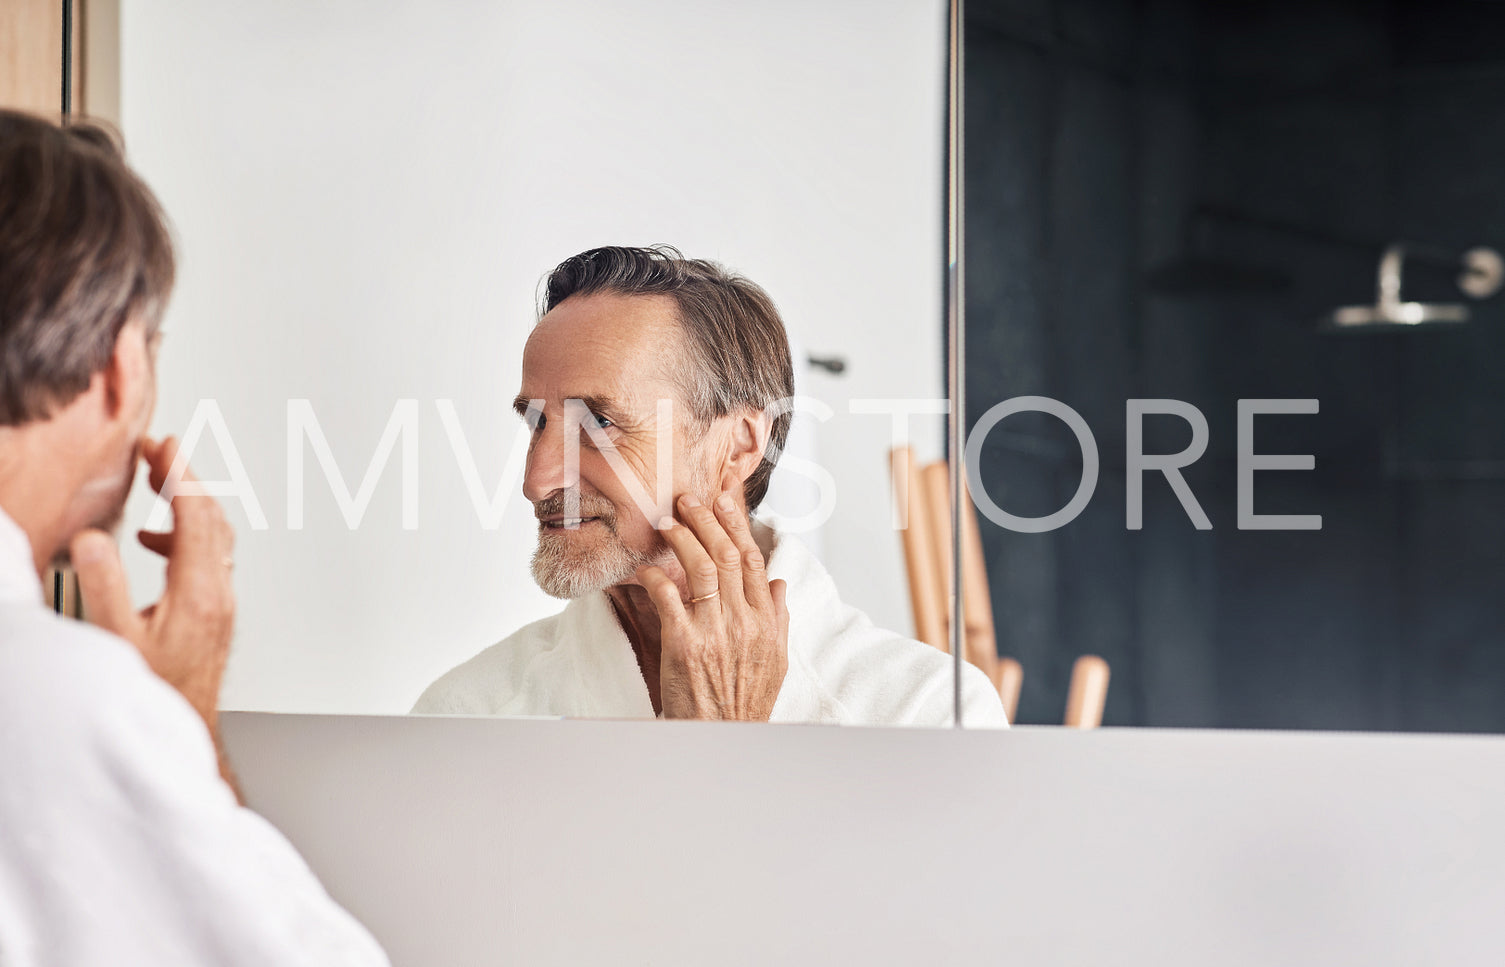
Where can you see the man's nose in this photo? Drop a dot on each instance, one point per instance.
(546, 472)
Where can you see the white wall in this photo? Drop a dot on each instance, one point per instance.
(366, 196)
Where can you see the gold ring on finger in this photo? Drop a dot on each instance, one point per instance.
(705, 597)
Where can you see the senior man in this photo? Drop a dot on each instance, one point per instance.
(121, 839)
(654, 386)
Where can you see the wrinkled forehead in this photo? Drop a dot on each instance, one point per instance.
(626, 347)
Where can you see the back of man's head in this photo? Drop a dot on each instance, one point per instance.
(84, 249)
(735, 351)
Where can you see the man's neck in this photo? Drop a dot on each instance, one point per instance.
(639, 619)
(37, 502)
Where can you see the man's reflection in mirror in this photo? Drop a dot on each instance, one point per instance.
(652, 387)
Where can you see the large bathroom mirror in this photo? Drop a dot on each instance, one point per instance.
(367, 197)
(1279, 226)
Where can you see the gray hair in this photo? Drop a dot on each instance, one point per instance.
(84, 249)
(738, 351)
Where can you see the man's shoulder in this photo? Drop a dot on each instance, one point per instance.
(871, 674)
(135, 808)
(78, 705)
(51, 665)
(882, 677)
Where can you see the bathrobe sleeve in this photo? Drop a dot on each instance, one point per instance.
(119, 842)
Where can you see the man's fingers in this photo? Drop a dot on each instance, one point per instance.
(149, 448)
(101, 581)
(157, 543)
(779, 591)
(754, 568)
(724, 554)
(664, 594)
(177, 484)
(159, 456)
(700, 570)
(199, 547)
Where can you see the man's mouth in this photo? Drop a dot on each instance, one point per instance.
(565, 523)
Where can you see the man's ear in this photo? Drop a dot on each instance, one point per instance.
(749, 433)
(127, 377)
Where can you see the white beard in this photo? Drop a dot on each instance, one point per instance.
(566, 572)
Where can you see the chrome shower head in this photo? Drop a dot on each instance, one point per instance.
(1482, 275)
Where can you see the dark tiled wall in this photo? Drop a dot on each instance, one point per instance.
(1164, 197)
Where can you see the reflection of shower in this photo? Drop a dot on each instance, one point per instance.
(1483, 272)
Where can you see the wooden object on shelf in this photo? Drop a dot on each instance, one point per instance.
(1088, 693)
(927, 582)
(925, 492)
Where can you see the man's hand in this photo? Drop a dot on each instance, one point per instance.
(725, 651)
(185, 636)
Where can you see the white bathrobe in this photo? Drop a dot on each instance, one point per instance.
(842, 669)
(119, 842)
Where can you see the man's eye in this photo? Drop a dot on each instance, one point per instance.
(601, 421)
(534, 419)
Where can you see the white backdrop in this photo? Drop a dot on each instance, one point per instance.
(366, 195)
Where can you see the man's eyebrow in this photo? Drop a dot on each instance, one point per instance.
(600, 404)
(522, 405)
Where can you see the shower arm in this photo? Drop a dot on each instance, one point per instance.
(1482, 270)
